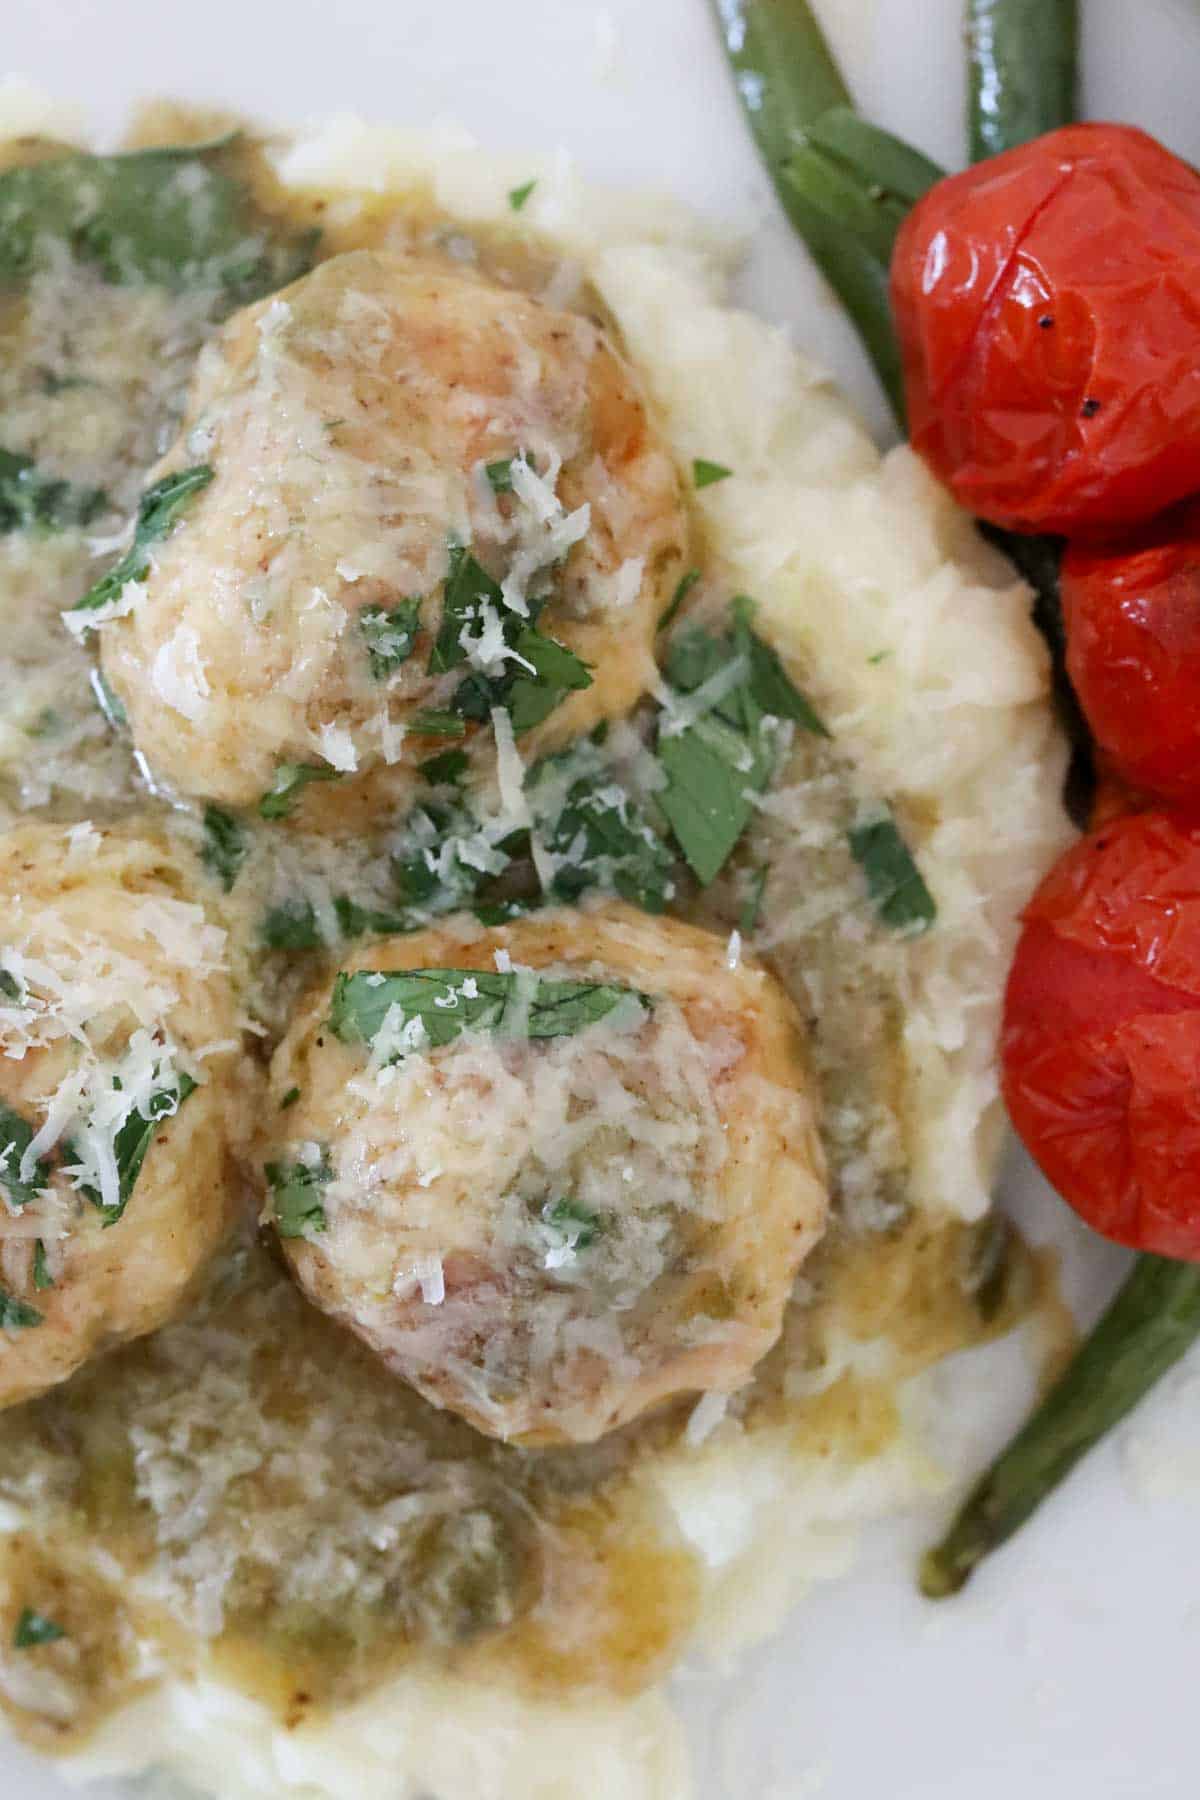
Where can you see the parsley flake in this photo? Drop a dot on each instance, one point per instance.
(296, 1188)
(894, 881)
(518, 196)
(707, 474)
(448, 1002)
(290, 781)
(34, 1629)
(159, 511)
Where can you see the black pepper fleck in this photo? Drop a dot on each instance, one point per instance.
(1090, 408)
(1045, 322)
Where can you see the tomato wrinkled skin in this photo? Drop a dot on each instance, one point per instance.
(1048, 307)
(1100, 1042)
(1132, 616)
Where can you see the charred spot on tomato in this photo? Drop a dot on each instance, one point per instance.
(1090, 408)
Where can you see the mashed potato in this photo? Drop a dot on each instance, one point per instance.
(319, 1521)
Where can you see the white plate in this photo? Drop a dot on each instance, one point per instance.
(1069, 1667)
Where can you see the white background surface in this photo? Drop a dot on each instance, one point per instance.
(1070, 1667)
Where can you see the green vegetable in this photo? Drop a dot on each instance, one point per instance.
(896, 884)
(752, 905)
(108, 702)
(727, 753)
(519, 195)
(706, 474)
(598, 837)
(390, 634)
(176, 217)
(296, 1196)
(1022, 70)
(225, 847)
(34, 1629)
(159, 511)
(15, 1315)
(1150, 1324)
(290, 781)
(451, 1001)
(575, 1223)
(446, 769)
(289, 1099)
(527, 697)
(684, 587)
(429, 722)
(10, 987)
(42, 1278)
(499, 475)
(293, 925)
(16, 1135)
(132, 1142)
(844, 184)
(32, 501)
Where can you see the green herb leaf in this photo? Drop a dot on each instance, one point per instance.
(598, 837)
(225, 847)
(159, 511)
(532, 698)
(42, 1278)
(752, 905)
(132, 1142)
(519, 195)
(718, 762)
(289, 1099)
(296, 1188)
(33, 501)
(391, 635)
(34, 1629)
(16, 1135)
(451, 1001)
(576, 1224)
(293, 925)
(499, 475)
(467, 583)
(15, 1315)
(446, 769)
(177, 217)
(430, 722)
(896, 884)
(10, 987)
(684, 587)
(290, 781)
(707, 474)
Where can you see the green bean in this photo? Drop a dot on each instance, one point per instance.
(1022, 70)
(1150, 1324)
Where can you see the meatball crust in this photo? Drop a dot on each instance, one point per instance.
(549, 1235)
(365, 427)
(113, 999)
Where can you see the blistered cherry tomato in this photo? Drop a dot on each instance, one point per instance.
(1100, 1045)
(1048, 306)
(1132, 614)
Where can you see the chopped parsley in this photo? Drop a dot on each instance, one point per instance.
(132, 1141)
(499, 475)
(752, 905)
(16, 1135)
(33, 501)
(683, 588)
(225, 846)
(706, 474)
(16, 1315)
(42, 1278)
(576, 1224)
(295, 924)
(894, 881)
(296, 1190)
(597, 836)
(440, 1004)
(10, 987)
(34, 1629)
(519, 195)
(176, 217)
(429, 722)
(289, 1099)
(446, 769)
(158, 513)
(724, 753)
(540, 672)
(290, 781)
(390, 634)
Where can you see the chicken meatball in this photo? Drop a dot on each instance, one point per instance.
(121, 1088)
(553, 1172)
(431, 498)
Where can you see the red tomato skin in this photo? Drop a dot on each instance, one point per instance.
(1100, 1041)
(1132, 615)
(1048, 307)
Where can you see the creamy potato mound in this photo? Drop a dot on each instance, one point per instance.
(114, 1000)
(549, 1235)
(365, 427)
